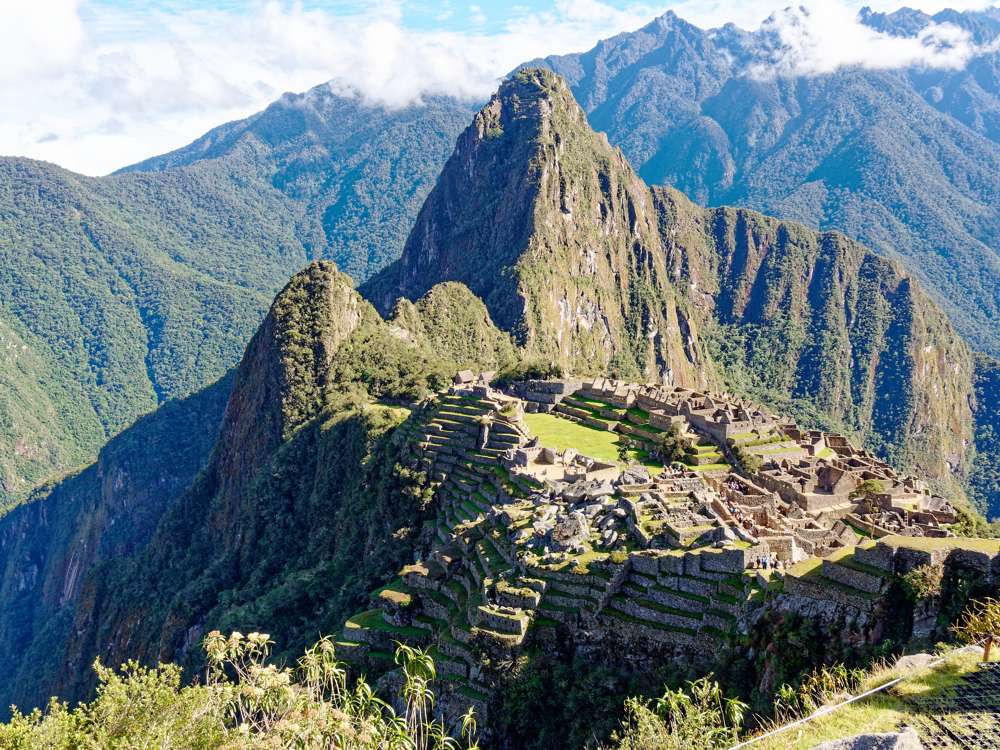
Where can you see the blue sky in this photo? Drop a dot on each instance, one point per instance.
(488, 15)
(103, 83)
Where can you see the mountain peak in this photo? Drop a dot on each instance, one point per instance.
(547, 223)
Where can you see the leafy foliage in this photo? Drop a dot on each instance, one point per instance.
(699, 718)
(246, 703)
(820, 686)
(980, 623)
(672, 445)
(924, 581)
(749, 462)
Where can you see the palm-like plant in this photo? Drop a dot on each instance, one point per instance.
(980, 623)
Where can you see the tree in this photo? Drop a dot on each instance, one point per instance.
(749, 462)
(672, 445)
(981, 622)
(868, 489)
(924, 581)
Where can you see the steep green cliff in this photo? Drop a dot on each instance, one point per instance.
(816, 322)
(302, 507)
(985, 475)
(46, 426)
(550, 226)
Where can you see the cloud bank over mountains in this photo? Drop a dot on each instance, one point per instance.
(825, 36)
(94, 85)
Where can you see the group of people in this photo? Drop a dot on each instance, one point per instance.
(768, 562)
(742, 518)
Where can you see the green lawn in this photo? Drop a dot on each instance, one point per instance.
(560, 433)
(372, 619)
(930, 544)
(708, 467)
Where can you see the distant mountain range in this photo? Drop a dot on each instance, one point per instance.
(907, 161)
(120, 293)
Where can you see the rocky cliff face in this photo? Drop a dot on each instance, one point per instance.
(819, 318)
(552, 228)
(905, 160)
(51, 545)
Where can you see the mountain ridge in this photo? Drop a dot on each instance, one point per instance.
(304, 504)
(656, 270)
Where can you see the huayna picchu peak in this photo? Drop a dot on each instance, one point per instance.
(549, 225)
(583, 440)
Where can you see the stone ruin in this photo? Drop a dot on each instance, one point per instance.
(532, 542)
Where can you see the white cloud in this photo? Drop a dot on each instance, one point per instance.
(93, 101)
(93, 88)
(827, 36)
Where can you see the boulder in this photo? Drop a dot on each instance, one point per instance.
(905, 740)
(547, 456)
(914, 661)
(599, 490)
(571, 530)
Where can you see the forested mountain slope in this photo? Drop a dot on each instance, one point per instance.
(52, 544)
(124, 291)
(905, 160)
(356, 172)
(300, 508)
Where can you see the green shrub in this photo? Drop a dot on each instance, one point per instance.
(699, 718)
(924, 581)
(245, 704)
(527, 369)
